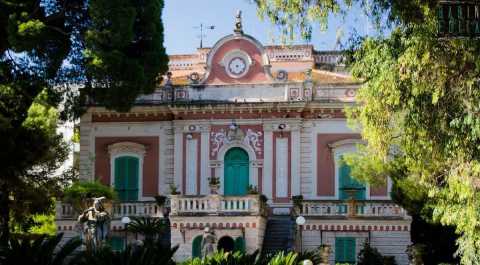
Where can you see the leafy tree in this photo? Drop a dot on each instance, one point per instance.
(418, 107)
(111, 49)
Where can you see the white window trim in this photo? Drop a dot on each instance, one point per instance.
(338, 149)
(252, 171)
(128, 149)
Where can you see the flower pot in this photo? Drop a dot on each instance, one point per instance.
(214, 188)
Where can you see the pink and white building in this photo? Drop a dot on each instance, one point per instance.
(265, 118)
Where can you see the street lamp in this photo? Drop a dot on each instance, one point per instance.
(300, 221)
(307, 262)
(125, 221)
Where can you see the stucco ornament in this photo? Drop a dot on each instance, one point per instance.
(253, 139)
(96, 223)
(226, 137)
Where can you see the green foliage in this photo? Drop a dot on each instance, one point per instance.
(124, 50)
(148, 254)
(114, 51)
(82, 191)
(418, 108)
(284, 259)
(44, 225)
(370, 256)
(296, 17)
(44, 250)
(149, 227)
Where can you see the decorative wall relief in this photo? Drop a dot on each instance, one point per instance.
(248, 135)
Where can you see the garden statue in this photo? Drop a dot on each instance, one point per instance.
(96, 223)
(208, 242)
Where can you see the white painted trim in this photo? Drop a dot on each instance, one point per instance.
(252, 171)
(140, 172)
(178, 158)
(191, 156)
(267, 163)
(281, 166)
(204, 160)
(296, 163)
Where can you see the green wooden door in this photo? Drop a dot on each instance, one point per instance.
(197, 247)
(345, 250)
(126, 178)
(239, 245)
(347, 182)
(236, 172)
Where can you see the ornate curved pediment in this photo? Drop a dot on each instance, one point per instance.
(347, 142)
(126, 147)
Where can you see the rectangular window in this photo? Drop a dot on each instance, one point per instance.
(345, 250)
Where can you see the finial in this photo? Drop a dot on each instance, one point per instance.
(238, 23)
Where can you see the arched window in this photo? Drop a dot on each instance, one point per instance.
(346, 185)
(127, 177)
(197, 247)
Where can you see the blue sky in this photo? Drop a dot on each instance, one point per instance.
(181, 16)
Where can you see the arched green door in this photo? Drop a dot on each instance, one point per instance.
(197, 247)
(236, 172)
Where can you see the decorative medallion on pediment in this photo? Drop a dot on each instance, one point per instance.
(126, 147)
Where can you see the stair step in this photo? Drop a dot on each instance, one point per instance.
(279, 234)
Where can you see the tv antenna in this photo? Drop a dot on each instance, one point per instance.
(202, 34)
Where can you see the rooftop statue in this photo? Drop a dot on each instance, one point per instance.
(238, 23)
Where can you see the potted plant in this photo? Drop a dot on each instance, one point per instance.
(214, 184)
(252, 190)
(173, 190)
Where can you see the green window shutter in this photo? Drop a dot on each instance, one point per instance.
(345, 250)
(239, 245)
(121, 177)
(127, 178)
(197, 247)
(339, 250)
(350, 250)
(132, 180)
(346, 181)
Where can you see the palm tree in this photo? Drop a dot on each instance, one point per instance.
(45, 250)
(150, 227)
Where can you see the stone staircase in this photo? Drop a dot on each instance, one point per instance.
(279, 234)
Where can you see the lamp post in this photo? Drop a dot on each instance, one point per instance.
(300, 221)
(125, 221)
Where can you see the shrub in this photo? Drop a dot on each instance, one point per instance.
(370, 256)
(80, 193)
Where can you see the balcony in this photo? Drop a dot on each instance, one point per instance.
(372, 209)
(65, 211)
(217, 205)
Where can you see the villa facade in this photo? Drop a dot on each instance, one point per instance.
(263, 120)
